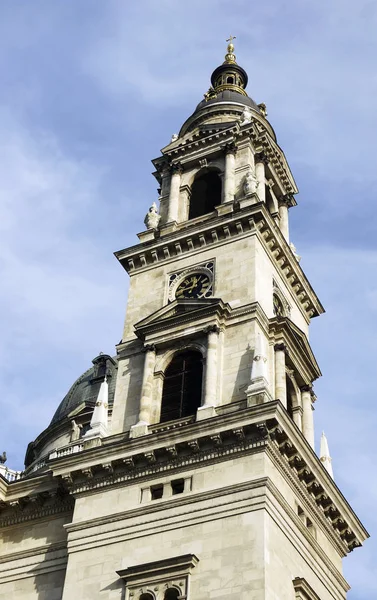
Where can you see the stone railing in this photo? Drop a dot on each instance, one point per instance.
(66, 451)
(10, 474)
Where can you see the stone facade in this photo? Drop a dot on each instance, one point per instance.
(228, 498)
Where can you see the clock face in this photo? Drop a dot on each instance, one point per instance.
(194, 285)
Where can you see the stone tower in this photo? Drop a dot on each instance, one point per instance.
(185, 466)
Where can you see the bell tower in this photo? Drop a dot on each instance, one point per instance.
(184, 468)
(215, 364)
(215, 272)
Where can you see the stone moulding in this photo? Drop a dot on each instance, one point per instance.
(252, 220)
(263, 428)
(303, 591)
(27, 509)
(169, 566)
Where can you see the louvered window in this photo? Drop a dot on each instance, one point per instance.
(182, 389)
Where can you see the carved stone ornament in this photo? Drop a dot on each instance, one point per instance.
(174, 137)
(286, 200)
(250, 183)
(152, 218)
(261, 157)
(176, 168)
(230, 148)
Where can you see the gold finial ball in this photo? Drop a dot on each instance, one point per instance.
(229, 56)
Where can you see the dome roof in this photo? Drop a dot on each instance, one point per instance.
(86, 387)
(228, 96)
(81, 398)
(229, 81)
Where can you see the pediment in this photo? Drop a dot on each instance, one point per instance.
(298, 341)
(182, 311)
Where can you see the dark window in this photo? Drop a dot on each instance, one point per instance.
(229, 80)
(290, 397)
(205, 194)
(157, 492)
(146, 596)
(171, 594)
(182, 391)
(177, 486)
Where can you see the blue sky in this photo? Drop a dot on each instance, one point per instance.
(90, 92)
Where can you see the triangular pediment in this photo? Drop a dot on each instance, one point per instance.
(182, 310)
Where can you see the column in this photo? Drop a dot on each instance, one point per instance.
(285, 202)
(175, 184)
(307, 416)
(141, 427)
(229, 175)
(261, 161)
(210, 384)
(280, 380)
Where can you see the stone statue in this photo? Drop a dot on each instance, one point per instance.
(210, 94)
(293, 248)
(3, 458)
(246, 116)
(75, 431)
(174, 137)
(263, 109)
(251, 183)
(152, 218)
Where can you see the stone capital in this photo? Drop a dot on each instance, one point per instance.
(176, 168)
(212, 329)
(230, 148)
(149, 348)
(306, 388)
(281, 348)
(261, 157)
(286, 200)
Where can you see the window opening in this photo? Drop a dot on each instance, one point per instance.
(205, 194)
(229, 80)
(290, 396)
(171, 594)
(177, 486)
(146, 596)
(157, 492)
(182, 391)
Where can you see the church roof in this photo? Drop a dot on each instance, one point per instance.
(86, 387)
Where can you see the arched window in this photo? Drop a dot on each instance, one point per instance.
(230, 80)
(205, 194)
(182, 391)
(146, 596)
(171, 594)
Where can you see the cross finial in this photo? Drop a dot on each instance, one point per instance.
(230, 57)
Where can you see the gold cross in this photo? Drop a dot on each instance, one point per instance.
(231, 38)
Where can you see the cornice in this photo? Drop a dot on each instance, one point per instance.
(249, 430)
(192, 238)
(172, 502)
(286, 264)
(280, 501)
(177, 315)
(33, 552)
(37, 506)
(283, 330)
